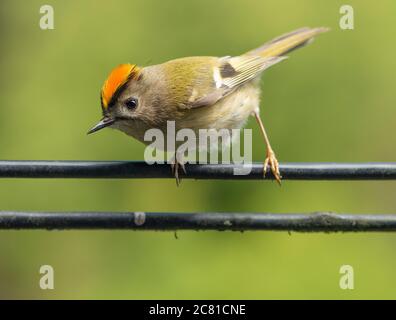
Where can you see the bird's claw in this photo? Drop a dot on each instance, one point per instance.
(273, 163)
(175, 170)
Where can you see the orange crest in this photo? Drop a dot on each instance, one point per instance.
(118, 77)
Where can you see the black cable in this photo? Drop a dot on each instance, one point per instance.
(140, 169)
(314, 222)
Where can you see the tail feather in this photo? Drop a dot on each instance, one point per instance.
(287, 42)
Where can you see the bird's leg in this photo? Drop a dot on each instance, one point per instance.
(175, 164)
(270, 160)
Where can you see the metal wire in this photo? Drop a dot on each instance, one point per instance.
(130, 170)
(315, 222)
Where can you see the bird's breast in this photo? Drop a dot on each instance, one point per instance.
(230, 112)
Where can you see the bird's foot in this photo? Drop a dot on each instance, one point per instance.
(175, 170)
(273, 163)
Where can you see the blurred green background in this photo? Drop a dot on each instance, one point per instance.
(331, 101)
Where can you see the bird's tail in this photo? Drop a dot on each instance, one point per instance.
(287, 42)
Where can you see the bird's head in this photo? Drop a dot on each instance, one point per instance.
(121, 96)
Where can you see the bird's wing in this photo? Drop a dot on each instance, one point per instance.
(229, 74)
(232, 72)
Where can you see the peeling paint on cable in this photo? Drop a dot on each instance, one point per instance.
(140, 218)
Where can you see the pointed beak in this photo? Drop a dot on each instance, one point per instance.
(105, 122)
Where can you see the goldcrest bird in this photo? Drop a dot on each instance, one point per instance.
(195, 93)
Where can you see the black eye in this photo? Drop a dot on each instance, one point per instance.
(131, 103)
